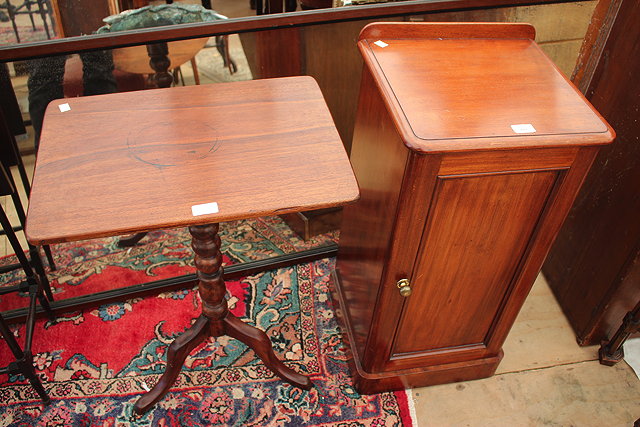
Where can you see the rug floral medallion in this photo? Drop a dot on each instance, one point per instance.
(97, 362)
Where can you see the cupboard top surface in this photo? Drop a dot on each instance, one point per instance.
(465, 93)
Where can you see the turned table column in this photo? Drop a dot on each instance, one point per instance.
(160, 62)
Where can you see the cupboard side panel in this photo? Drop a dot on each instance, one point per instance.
(417, 192)
(378, 157)
(555, 214)
(586, 265)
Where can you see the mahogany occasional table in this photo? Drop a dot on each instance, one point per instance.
(189, 156)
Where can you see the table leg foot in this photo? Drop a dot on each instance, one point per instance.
(177, 353)
(260, 343)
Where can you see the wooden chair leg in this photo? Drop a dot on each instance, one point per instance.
(611, 352)
(177, 75)
(196, 75)
(222, 44)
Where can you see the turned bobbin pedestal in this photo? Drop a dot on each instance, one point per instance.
(194, 157)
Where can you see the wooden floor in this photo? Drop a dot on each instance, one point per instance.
(545, 379)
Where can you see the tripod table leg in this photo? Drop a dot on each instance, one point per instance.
(260, 343)
(178, 352)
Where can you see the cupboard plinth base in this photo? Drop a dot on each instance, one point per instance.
(367, 383)
(379, 382)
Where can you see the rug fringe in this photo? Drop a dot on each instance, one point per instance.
(412, 408)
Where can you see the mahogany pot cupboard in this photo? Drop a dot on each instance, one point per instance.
(469, 149)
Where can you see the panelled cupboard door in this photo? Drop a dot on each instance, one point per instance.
(458, 287)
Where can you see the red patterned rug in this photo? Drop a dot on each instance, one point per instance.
(100, 265)
(96, 363)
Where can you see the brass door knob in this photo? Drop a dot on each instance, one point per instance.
(404, 286)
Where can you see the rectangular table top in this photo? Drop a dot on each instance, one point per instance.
(138, 161)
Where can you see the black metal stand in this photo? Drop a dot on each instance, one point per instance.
(10, 156)
(36, 284)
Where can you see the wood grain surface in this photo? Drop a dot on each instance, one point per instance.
(473, 88)
(379, 165)
(477, 234)
(449, 30)
(139, 161)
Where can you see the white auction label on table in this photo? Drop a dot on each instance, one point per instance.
(204, 209)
